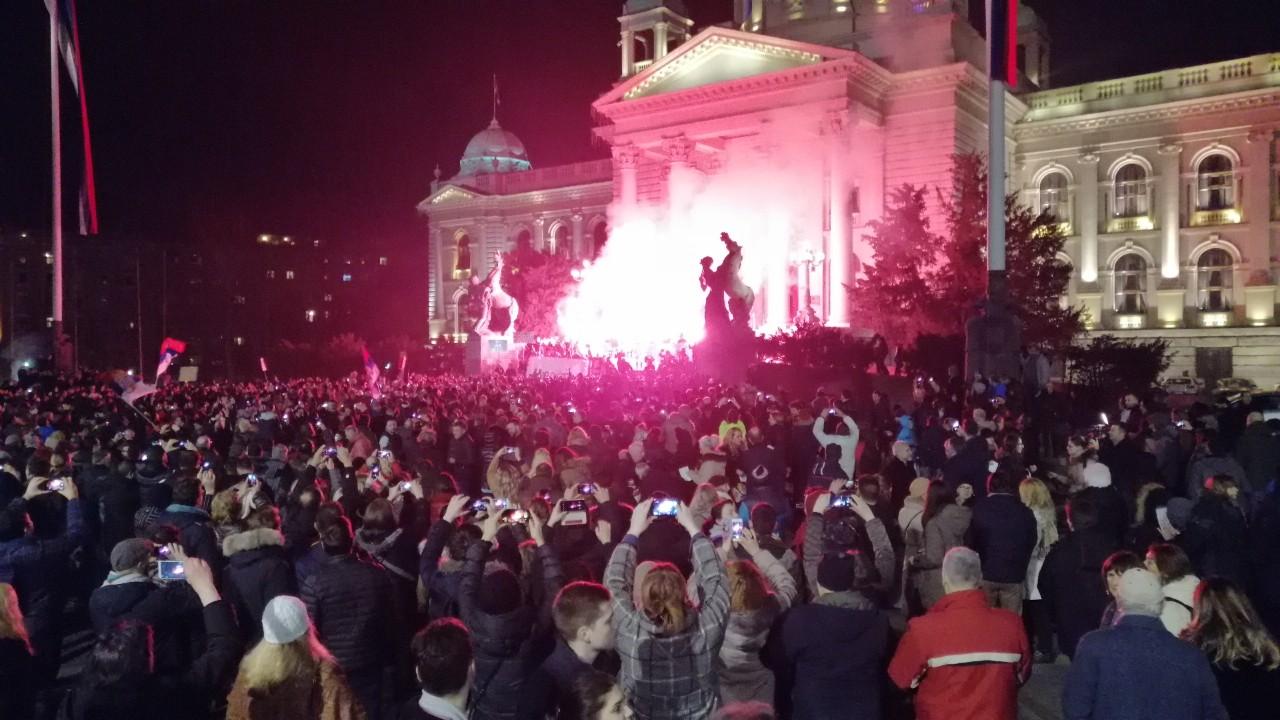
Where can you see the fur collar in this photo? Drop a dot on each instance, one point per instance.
(251, 540)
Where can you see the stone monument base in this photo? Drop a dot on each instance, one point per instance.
(726, 357)
(494, 352)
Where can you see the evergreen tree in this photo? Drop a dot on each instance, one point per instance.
(1037, 278)
(893, 295)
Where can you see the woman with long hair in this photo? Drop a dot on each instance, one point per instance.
(1081, 452)
(1035, 495)
(1173, 567)
(667, 645)
(760, 589)
(945, 522)
(289, 673)
(1244, 656)
(17, 659)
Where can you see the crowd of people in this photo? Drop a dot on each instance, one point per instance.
(647, 544)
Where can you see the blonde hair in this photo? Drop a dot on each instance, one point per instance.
(225, 507)
(12, 626)
(1035, 494)
(504, 479)
(268, 665)
(662, 598)
(1227, 628)
(1144, 493)
(748, 588)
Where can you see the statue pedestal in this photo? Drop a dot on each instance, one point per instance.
(493, 352)
(993, 338)
(725, 357)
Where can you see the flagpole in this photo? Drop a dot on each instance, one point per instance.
(55, 106)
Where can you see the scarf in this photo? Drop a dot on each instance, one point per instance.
(1166, 528)
(439, 707)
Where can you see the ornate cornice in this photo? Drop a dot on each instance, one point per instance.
(1166, 111)
(678, 149)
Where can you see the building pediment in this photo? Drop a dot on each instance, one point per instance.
(718, 55)
(446, 195)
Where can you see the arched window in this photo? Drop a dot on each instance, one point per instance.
(1213, 276)
(599, 236)
(462, 263)
(1216, 180)
(1131, 284)
(1131, 191)
(560, 243)
(1053, 195)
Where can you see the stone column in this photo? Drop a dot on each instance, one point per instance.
(679, 152)
(835, 126)
(659, 41)
(539, 234)
(1170, 184)
(1257, 197)
(628, 48)
(1087, 211)
(435, 251)
(627, 158)
(577, 235)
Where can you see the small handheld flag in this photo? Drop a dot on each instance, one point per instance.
(169, 350)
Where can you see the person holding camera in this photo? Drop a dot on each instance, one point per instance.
(667, 645)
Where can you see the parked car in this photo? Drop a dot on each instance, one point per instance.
(1183, 385)
(1235, 384)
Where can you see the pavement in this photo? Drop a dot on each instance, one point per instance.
(1041, 697)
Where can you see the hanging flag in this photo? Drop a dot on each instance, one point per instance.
(404, 362)
(64, 12)
(130, 388)
(262, 363)
(1003, 30)
(372, 373)
(169, 350)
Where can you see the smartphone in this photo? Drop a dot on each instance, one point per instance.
(56, 485)
(573, 505)
(516, 516)
(478, 506)
(850, 485)
(251, 479)
(501, 503)
(664, 507)
(375, 471)
(384, 453)
(842, 501)
(735, 528)
(331, 452)
(163, 552)
(406, 486)
(586, 488)
(171, 570)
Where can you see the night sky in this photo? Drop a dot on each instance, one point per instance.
(225, 118)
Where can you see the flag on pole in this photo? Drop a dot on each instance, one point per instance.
(371, 372)
(130, 388)
(404, 362)
(1003, 27)
(169, 350)
(262, 363)
(64, 11)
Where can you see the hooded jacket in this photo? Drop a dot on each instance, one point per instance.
(743, 677)
(258, 570)
(832, 651)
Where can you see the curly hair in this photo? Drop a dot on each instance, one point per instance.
(1227, 628)
(662, 598)
(748, 589)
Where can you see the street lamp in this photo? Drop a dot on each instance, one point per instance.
(806, 261)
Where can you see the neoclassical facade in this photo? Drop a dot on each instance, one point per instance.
(1167, 182)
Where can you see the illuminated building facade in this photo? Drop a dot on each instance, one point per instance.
(789, 127)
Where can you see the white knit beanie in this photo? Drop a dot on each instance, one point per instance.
(284, 620)
(1097, 475)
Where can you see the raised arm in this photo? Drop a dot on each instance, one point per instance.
(473, 570)
(713, 584)
(784, 585)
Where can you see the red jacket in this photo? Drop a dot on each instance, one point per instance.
(966, 659)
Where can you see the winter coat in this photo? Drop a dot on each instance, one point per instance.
(398, 553)
(550, 687)
(17, 686)
(831, 652)
(670, 676)
(1113, 516)
(1264, 538)
(258, 570)
(848, 444)
(40, 571)
(1209, 465)
(1136, 669)
(195, 533)
(180, 694)
(1071, 584)
(965, 659)
(319, 695)
(1258, 451)
(117, 597)
(352, 606)
(1217, 540)
(743, 677)
(968, 466)
(1247, 691)
(1179, 603)
(944, 531)
(1003, 532)
(504, 644)
(441, 581)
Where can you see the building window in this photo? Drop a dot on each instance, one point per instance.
(288, 274)
(1131, 191)
(310, 315)
(1216, 180)
(1131, 284)
(1213, 276)
(560, 244)
(238, 299)
(1053, 195)
(382, 261)
(599, 237)
(463, 262)
(271, 274)
(238, 340)
(328, 297)
(346, 277)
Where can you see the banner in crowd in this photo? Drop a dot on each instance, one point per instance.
(130, 388)
(563, 367)
(371, 371)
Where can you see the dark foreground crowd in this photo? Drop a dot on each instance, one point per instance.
(643, 545)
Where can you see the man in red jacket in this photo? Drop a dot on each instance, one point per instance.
(965, 659)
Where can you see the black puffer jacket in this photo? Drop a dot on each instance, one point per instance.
(352, 605)
(1217, 540)
(257, 571)
(195, 533)
(504, 644)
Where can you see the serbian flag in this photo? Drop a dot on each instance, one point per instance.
(130, 388)
(169, 349)
(1002, 32)
(371, 372)
(64, 12)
